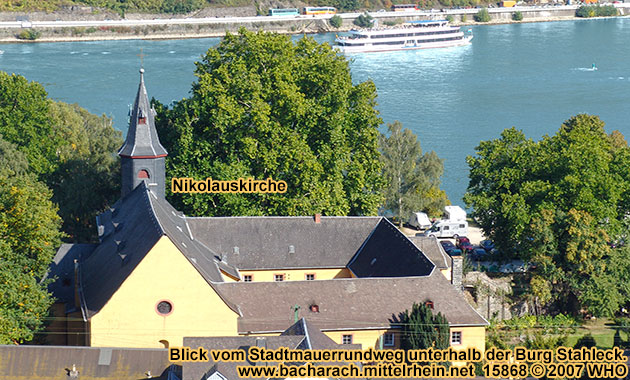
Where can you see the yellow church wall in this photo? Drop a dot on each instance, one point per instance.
(130, 318)
(295, 274)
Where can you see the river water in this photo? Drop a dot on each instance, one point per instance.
(532, 76)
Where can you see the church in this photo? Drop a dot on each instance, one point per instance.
(157, 276)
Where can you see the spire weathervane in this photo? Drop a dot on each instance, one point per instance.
(141, 55)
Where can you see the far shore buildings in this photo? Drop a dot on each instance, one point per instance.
(158, 276)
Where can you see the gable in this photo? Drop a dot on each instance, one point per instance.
(389, 253)
(131, 318)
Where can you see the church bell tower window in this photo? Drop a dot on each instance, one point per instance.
(143, 174)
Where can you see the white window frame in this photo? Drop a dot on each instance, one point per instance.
(389, 340)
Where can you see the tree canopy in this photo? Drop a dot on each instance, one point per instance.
(561, 202)
(421, 329)
(29, 237)
(263, 107)
(66, 147)
(412, 178)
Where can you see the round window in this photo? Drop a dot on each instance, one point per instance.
(164, 307)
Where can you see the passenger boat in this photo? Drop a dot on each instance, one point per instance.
(411, 35)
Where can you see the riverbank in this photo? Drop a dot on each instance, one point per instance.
(135, 27)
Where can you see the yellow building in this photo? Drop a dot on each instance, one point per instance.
(157, 276)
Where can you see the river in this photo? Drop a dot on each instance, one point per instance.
(532, 76)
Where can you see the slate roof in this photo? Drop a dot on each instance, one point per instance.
(199, 370)
(128, 231)
(54, 362)
(357, 303)
(433, 250)
(389, 253)
(62, 271)
(314, 338)
(142, 138)
(263, 242)
(302, 335)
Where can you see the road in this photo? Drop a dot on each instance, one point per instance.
(258, 19)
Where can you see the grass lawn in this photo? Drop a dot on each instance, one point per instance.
(600, 329)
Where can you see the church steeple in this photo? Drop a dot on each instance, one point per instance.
(142, 155)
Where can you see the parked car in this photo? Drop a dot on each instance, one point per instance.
(488, 245)
(478, 254)
(463, 243)
(448, 246)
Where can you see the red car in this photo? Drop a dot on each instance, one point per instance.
(463, 243)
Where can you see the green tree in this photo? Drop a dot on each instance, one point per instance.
(66, 147)
(421, 329)
(87, 177)
(29, 236)
(12, 161)
(364, 21)
(29, 224)
(24, 303)
(517, 16)
(266, 107)
(24, 121)
(559, 202)
(482, 15)
(336, 21)
(412, 178)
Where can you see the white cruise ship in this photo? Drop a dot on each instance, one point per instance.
(411, 35)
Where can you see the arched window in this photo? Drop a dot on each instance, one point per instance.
(143, 174)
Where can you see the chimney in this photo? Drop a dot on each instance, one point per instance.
(261, 342)
(457, 271)
(318, 218)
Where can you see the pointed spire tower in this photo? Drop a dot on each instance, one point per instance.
(142, 155)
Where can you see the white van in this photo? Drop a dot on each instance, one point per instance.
(448, 228)
(420, 220)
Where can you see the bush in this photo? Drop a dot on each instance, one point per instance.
(181, 6)
(393, 22)
(482, 15)
(29, 34)
(596, 11)
(364, 21)
(449, 18)
(336, 21)
(517, 16)
(464, 18)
